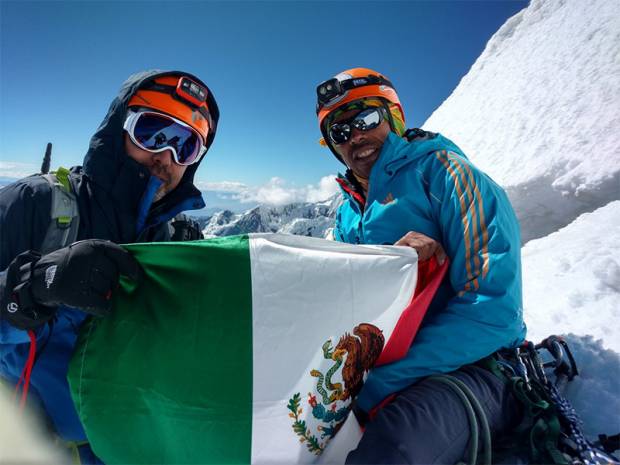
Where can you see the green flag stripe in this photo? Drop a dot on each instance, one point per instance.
(208, 403)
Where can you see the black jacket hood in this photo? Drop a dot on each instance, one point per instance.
(106, 155)
(115, 181)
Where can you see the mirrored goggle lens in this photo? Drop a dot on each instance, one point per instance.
(366, 120)
(339, 133)
(156, 132)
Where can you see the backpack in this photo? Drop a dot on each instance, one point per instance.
(65, 216)
(64, 213)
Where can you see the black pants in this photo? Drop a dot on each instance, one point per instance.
(427, 423)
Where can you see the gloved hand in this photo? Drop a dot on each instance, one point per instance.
(20, 310)
(83, 275)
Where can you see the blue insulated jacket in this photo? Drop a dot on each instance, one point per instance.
(429, 186)
(115, 200)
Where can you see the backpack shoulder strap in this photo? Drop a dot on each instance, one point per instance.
(64, 213)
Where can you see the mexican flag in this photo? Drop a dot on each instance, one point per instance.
(245, 349)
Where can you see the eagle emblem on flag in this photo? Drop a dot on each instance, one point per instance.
(330, 404)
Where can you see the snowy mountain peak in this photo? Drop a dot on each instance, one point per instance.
(306, 219)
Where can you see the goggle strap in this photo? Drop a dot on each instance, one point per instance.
(172, 90)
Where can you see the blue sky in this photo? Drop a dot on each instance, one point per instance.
(61, 63)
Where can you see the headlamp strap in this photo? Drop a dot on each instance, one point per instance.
(172, 90)
(352, 83)
(333, 88)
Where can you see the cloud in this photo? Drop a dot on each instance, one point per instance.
(327, 187)
(274, 192)
(277, 192)
(11, 169)
(222, 186)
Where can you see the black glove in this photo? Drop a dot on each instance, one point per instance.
(83, 275)
(18, 308)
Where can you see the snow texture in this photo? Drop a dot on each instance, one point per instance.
(571, 279)
(571, 284)
(539, 111)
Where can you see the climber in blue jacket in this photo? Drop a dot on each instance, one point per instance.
(418, 189)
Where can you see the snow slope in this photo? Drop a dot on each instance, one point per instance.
(539, 111)
(571, 286)
(571, 279)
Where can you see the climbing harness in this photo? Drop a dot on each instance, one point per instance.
(551, 427)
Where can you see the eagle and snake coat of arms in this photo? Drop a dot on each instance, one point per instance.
(335, 388)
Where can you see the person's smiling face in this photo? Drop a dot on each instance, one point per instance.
(362, 149)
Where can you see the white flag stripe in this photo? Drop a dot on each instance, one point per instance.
(305, 292)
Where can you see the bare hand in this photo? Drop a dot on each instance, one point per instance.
(424, 245)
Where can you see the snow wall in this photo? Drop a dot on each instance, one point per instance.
(539, 111)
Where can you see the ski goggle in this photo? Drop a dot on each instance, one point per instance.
(365, 120)
(156, 132)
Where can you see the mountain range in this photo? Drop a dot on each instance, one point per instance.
(304, 218)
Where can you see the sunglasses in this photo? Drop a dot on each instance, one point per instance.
(365, 120)
(156, 132)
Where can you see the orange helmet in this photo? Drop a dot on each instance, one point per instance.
(353, 84)
(182, 97)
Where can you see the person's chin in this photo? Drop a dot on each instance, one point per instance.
(364, 164)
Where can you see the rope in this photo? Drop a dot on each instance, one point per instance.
(473, 409)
